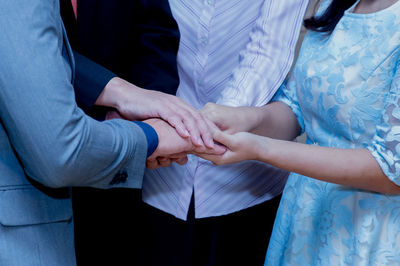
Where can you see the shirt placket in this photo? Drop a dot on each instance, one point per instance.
(202, 42)
(203, 38)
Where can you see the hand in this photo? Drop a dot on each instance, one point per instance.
(180, 158)
(134, 103)
(231, 119)
(113, 114)
(172, 147)
(240, 147)
(169, 142)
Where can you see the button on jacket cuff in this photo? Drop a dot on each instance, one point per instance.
(151, 136)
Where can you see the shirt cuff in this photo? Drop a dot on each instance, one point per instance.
(90, 80)
(151, 136)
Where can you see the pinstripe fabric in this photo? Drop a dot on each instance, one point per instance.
(233, 52)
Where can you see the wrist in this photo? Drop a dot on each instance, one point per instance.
(263, 148)
(151, 136)
(110, 94)
(114, 93)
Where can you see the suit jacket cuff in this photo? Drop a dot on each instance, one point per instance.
(151, 136)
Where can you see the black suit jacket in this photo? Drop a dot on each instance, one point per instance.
(135, 39)
(138, 41)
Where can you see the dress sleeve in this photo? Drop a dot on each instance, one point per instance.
(287, 94)
(386, 142)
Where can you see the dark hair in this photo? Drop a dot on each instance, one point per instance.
(328, 20)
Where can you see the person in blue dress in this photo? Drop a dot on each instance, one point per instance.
(341, 204)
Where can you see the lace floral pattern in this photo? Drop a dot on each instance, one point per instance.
(345, 92)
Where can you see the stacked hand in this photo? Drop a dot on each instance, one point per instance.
(182, 129)
(174, 148)
(233, 124)
(134, 103)
(240, 146)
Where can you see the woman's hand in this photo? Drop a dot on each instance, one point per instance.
(232, 119)
(240, 147)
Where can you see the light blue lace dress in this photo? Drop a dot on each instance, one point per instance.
(345, 92)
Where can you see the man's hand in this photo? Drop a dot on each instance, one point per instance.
(169, 142)
(134, 103)
(172, 147)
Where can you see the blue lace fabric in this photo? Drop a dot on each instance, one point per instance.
(345, 92)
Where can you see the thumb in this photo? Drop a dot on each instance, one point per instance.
(224, 138)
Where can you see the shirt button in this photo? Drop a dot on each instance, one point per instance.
(199, 82)
(210, 2)
(203, 41)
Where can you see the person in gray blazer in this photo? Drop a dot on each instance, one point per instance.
(46, 141)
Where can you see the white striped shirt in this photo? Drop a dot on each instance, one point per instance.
(233, 52)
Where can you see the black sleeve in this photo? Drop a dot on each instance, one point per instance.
(90, 77)
(138, 40)
(90, 80)
(158, 37)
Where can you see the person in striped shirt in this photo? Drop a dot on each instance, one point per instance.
(236, 53)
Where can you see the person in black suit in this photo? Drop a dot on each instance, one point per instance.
(138, 41)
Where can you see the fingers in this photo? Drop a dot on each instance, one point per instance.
(223, 138)
(181, 161)
(158, 162)
(164, 162)
(206, 129)
(152, 164)
(188, 122)
(211, 125)
(185, 126)
(138, 103)
(212, 112)
(113, 115)
(193, 123)
(179, 158)
(217, 150)
(215, 159)
(176, 121)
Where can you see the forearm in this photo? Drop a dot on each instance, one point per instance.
(275, 120)
(55, 142)
(113, 93)
(349, 167)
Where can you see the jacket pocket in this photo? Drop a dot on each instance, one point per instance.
(28, 206)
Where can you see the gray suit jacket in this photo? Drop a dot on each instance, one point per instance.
(44, 135)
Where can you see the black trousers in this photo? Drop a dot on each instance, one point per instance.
(108, 226)
(105, 220)
(239, 238)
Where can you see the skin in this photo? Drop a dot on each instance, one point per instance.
(270, 130)
(134, 103)
(187, 128)
(172, 147)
